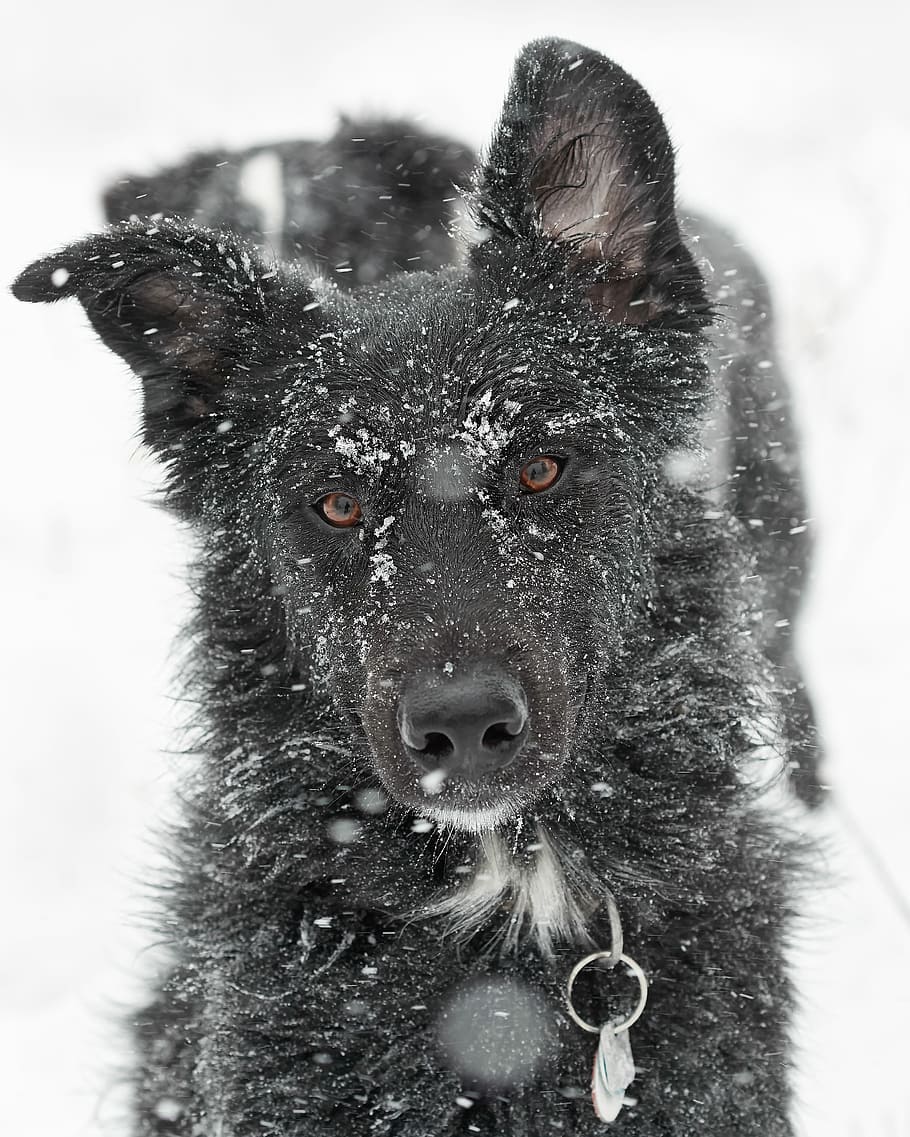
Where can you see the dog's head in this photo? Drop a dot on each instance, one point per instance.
(446, 476)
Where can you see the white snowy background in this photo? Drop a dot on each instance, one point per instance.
(792, 124)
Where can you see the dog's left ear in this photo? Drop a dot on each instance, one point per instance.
(581, 157)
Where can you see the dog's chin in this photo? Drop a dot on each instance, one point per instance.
(470, 807)
(472, 819)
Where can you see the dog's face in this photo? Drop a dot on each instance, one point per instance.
(459, 513)
(441, 534)
(443, 474)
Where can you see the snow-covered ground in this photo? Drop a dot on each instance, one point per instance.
(793, 125)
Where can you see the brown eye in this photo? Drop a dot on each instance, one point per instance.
(339, 509)
(540, 473)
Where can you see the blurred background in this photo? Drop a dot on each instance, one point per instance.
(792, 123)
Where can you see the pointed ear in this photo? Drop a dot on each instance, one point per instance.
(188, 309)
(581, 157)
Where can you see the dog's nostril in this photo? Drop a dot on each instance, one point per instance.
(437, 746)
(499, 737)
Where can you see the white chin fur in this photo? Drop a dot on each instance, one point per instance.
(472, 820)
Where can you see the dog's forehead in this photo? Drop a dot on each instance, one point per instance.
(444, 443)
(446, 474)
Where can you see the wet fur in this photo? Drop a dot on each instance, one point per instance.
(318, 928)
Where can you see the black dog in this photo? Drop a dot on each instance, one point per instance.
(484, 652)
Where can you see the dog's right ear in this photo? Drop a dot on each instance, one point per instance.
(191, 311)
(581, 159)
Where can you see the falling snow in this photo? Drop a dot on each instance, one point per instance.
(108, 595)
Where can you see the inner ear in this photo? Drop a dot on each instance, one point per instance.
(184, 339)
(587, 191)
(582, 157)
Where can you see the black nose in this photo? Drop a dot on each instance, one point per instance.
(466, 725)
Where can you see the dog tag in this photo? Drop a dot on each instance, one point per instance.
(613, 1072)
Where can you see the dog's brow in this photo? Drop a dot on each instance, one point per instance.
(447, 475)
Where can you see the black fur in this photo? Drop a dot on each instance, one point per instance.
(645, 615)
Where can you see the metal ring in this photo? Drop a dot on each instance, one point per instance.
(636, 971)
